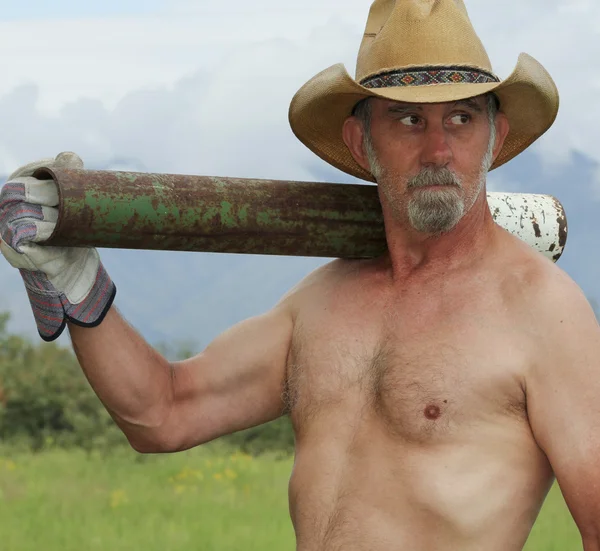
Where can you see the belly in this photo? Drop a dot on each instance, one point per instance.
(356, 488)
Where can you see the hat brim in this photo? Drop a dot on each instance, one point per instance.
(528, 97)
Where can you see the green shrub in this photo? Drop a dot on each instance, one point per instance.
(46, 398)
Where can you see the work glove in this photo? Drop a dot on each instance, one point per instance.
(63, 283)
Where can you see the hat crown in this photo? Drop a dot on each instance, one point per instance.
(419, 33)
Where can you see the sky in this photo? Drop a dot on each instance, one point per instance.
(203, 87)
(176, 57)
(68, 9)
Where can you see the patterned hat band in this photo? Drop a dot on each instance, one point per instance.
(425, 76)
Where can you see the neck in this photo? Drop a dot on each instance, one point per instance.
(410, 251)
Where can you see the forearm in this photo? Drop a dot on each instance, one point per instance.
(132, 380)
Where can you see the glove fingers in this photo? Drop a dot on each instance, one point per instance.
(48, 224)
(41, 192)
(44, 230)
(27, 226)
(26, 189)
(24, 212)
(19, 232)
(29, 169)
(68, 159)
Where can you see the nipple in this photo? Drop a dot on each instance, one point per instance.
(432, 412)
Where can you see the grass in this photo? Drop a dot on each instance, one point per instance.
(206, 499)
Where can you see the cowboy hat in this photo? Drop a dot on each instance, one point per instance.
(420, 51)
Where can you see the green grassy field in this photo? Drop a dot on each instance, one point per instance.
(207, 499)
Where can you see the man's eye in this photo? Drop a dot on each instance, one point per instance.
(410, 120)
(460, 119)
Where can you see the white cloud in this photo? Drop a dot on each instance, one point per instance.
(230, 119)
(60, 9)
(499, 182)
(205, 86)
(565, 37)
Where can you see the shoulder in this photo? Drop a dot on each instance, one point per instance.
(552, 311)
(539, 294)
(554, 294)
(315, 285)
(535, 281)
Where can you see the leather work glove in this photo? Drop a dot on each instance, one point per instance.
(63, 283)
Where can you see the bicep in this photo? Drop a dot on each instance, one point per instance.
(563, 402)
(235, 383)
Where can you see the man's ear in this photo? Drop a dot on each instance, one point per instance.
(502, 129)
(353, 135)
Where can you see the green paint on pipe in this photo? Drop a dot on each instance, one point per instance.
(263, 218)
(243, 214)
(226, 217)
(210, 214)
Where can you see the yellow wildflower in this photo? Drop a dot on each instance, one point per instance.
(118, 498)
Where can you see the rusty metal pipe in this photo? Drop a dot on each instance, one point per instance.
(128, 210)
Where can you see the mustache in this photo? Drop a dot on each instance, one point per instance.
(435, 177)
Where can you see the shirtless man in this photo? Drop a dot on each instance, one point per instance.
(435, 392)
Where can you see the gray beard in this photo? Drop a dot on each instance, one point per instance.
(432, 211)
(435, 210)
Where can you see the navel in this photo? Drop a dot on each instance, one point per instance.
(432, 412)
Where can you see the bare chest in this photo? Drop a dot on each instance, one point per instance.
(424, 376)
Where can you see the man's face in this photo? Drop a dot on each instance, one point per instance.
(430, 160)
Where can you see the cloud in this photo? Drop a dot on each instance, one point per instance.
(498, 181)
(231, 120)
(60, 9)
(204, 80)
(564, 36)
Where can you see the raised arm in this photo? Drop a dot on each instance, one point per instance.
(563, 401)
(235, 383)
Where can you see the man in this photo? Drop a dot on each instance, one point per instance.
(436, 391)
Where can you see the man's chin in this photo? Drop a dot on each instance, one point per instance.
(435, 230)
(431, 219)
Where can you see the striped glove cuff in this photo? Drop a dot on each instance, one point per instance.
(52, 309)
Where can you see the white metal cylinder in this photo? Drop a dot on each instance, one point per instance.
(539, 220)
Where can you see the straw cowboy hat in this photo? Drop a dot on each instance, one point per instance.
(420, 51)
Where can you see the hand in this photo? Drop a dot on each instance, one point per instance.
(63, 283)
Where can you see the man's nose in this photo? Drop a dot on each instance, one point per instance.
(436, 150)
